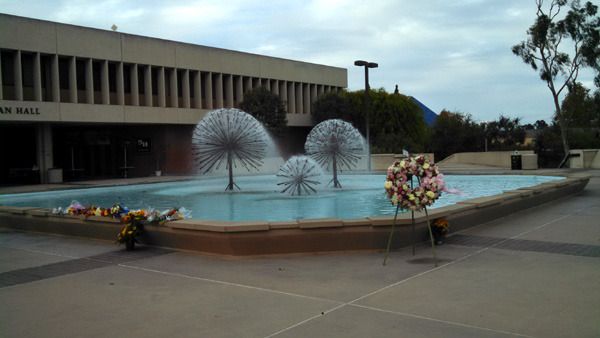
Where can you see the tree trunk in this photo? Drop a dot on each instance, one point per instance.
(563, 131)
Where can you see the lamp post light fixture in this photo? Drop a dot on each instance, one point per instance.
(367, 65)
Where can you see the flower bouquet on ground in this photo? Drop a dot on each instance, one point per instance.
(133, 226)
(133, 221)
(439, 229)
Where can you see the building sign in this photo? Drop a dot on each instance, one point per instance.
(19, 110)
(143, 145)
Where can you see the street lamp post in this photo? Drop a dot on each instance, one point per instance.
(367, 65)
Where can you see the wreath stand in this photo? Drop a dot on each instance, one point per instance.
(412, 218)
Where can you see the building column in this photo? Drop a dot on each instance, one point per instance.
(104, 83)
(185, 91)
(275, 87)
(197, 90)
(299, 99)
(267, 84)
(218, 90)
(135, 92)
(173, 88)
(120, 84)
(37, 78)
(162, 94)
(208, 90)
(44, 152)
(18, 76)
(319, 90)
(239, 90)
(291, 97)
(72, 80)
(55, 79)
(313, 93)
(89, 81)
(228, 90)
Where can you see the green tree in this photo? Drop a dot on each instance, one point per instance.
(455, 132)
(267, 108)
(544, 49)
(540, 124)
(396, 122)
(505, 133)
(547, 145)
(579, 108)
(337, 106)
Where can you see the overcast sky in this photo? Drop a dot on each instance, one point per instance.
(453, 54)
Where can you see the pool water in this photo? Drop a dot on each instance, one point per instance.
(260, 199)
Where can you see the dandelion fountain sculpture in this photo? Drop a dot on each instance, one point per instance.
(335, 144)
(299, 175)
(228, 137)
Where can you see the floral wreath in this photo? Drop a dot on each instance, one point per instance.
(399, 180)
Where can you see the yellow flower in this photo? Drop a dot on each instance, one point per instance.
(402, 163)
(411, 197)
(426, 166)
(405, 187)
(430, 194)
(387, 185)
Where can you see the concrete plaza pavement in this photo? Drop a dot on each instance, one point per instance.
(532, 273)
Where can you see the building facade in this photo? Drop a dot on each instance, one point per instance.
(97, 103)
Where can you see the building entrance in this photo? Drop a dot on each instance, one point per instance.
(18, 164)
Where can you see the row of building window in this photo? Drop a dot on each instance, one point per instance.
(31, 76)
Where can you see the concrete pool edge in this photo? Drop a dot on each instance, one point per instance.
(302, 236)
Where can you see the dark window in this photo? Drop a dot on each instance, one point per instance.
(112, 77)
(97, 69)
(127, 78)
(180, 74)
(27, 69)
(80, 65)
(63, 72)
(155, 72)
(8, 70)
(192, 84)
(141, 87)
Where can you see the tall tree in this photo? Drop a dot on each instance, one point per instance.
(396, 122)
(505, 133)
(540, 124)
(455, 132)
(578, 107)
(267, 108)
(545, 49)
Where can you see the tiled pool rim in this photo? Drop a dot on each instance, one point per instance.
(301, 236)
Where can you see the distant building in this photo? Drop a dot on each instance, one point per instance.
(99, 103)
(428, 115)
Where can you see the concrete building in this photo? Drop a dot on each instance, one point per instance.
(98, 103)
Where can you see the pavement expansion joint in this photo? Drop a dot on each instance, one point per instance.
(582, 250)
(28, 275)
